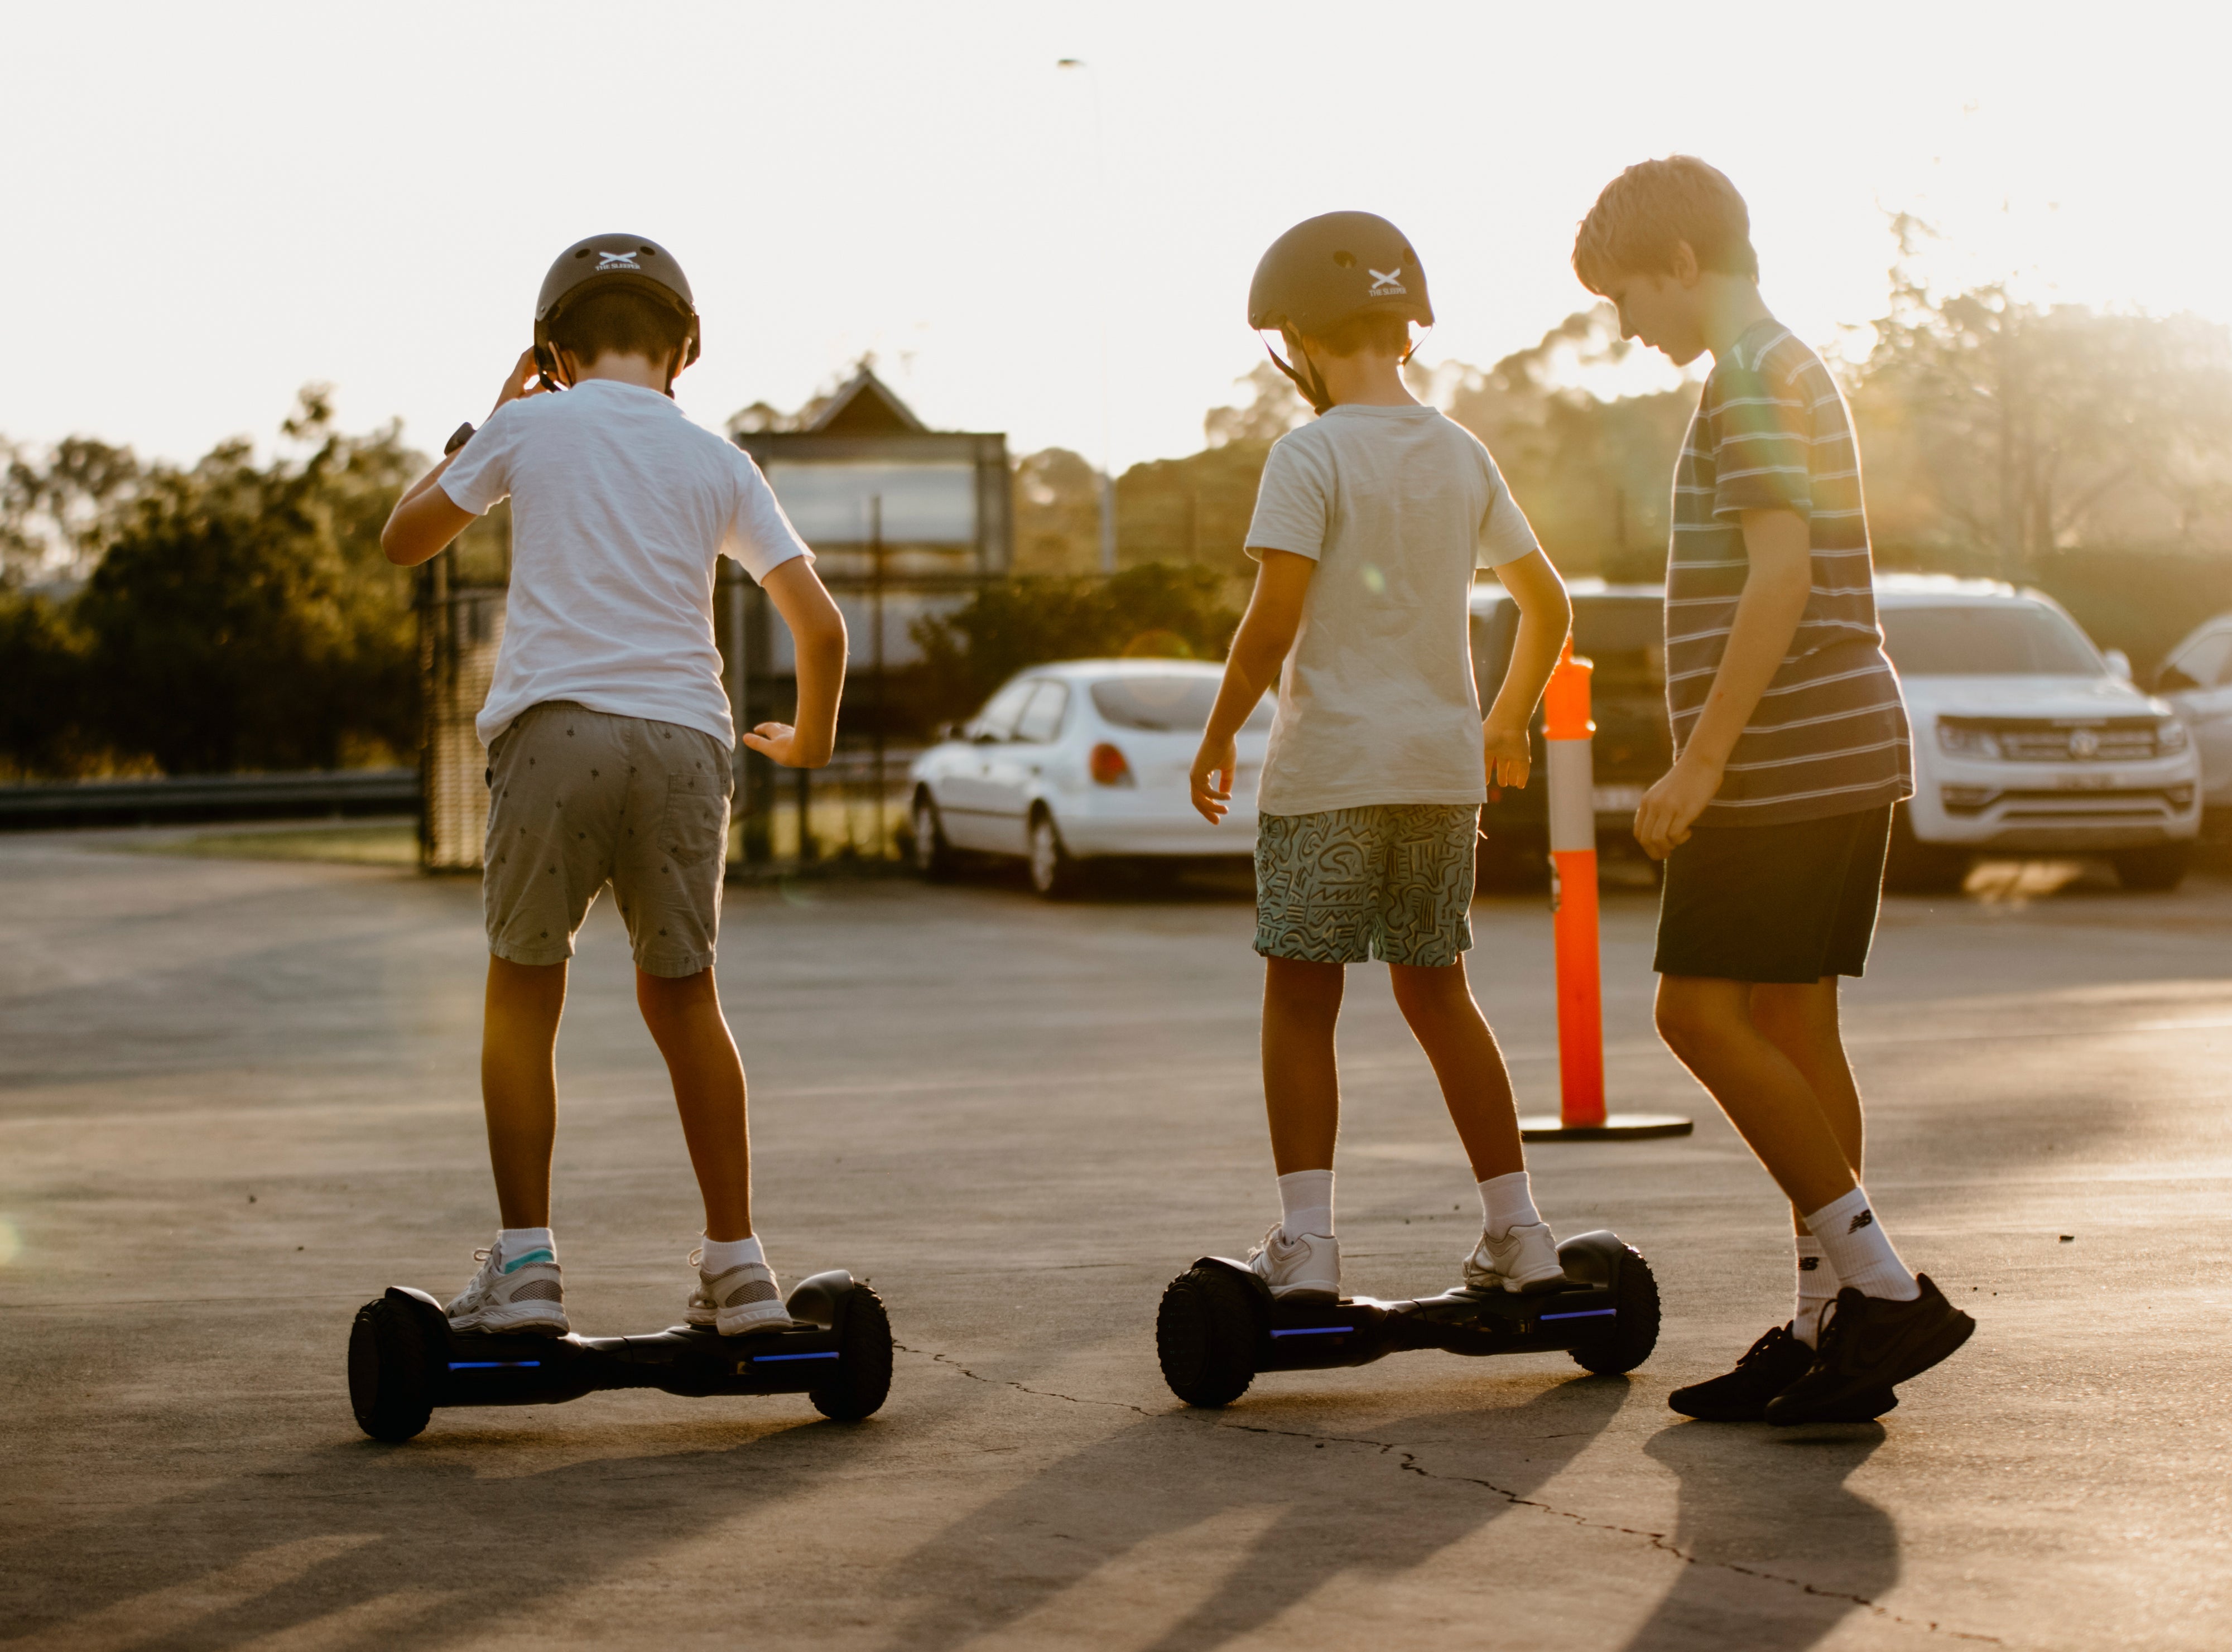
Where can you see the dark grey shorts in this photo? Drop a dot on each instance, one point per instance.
(1787, 904)
(578, 799)
(1392, 881)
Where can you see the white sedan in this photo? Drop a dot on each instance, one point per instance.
(1081, 760)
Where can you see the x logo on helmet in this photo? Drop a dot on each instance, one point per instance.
(619, 261)
(1385, 280)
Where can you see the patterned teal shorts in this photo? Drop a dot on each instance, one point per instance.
(1392, 881)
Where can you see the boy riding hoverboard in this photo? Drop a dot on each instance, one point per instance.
(610, 742)
(1369, 525)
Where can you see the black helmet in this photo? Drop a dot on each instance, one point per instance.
(604, 262)
(1329, 269)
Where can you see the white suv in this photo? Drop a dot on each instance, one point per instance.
(2028, 740)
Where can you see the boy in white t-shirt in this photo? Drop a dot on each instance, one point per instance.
(1369, 525)
(610, 742)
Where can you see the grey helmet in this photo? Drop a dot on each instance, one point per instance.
(604, 262)
(1329, 268)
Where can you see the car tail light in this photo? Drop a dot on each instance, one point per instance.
(1108, 766)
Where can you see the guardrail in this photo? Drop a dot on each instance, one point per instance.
(209, 797)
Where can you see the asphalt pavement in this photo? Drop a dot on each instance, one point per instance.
(239, 1097)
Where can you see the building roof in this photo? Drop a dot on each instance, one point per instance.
(864, 405)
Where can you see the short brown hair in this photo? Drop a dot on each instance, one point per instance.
(1633, 229)
(619, 321)
(1382, 332)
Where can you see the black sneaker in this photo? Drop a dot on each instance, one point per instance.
(1776, 1360)
(1868, 1344)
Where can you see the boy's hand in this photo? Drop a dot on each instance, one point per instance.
(779, 743)
(526, 380)
(1214, 762)
(1672, 807)
(1510, 757)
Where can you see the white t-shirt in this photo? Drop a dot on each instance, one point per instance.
(1396, 506)
(620, 508)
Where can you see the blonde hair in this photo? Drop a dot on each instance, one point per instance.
(1633, 229)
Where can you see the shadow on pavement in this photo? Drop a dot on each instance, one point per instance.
(1316, 1522)
(427, 1545)
(1784, 1552)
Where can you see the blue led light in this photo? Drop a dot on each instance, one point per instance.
(770, 1360)
(1582, 1313)
(491, 1364)
(1316, 1331)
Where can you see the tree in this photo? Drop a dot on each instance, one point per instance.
(1155, 610)
(242, 617)
(1998, 432)
(1057, 512)
(54, 516)
(1273, 408)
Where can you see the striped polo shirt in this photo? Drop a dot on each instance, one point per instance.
(1829, 736)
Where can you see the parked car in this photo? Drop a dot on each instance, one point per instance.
(2027, 739)
(1621, 629)
(1083, 761)
(2196, 677)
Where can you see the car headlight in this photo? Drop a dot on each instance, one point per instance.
(1967, 742)
(2170, 737)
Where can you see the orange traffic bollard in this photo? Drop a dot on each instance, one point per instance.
(1571, 778)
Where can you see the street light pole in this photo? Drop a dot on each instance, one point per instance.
(1101, 313)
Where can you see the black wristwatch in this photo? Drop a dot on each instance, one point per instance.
(459, 438)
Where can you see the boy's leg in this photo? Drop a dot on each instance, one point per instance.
(1517, 1251)
(1301, 1082)
(685, 1020)
(1708, 1026)
(519, 1084)
(1445, 1019)
(1801, 1020)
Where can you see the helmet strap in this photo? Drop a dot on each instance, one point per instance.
(1313, 388)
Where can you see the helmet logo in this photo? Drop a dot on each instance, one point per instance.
(615, 261)
(1386, 283)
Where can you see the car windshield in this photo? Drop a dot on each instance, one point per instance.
(1987, 639)
(1165, 704)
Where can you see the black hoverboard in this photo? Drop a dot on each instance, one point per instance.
(404, 1360)
(1219, 1326)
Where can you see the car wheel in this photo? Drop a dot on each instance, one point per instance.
(932, 855)
(1053, 873)
(2161, 867)
(1913, 867)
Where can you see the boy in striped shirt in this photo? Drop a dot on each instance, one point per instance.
(1791, 748)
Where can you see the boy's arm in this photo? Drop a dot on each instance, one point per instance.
(1779, 546)
(1267, 631)
(426, 519)
(817, 635)
(1545, 614)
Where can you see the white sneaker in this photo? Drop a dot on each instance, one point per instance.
(1307, 1269)
(743, 1298)
(1525, 1258)
(523, 1293)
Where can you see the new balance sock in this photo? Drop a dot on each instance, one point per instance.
(1817, 1289)
(1507, 1202)
(1306, 1203)
(516, 1245)
(721, 1254)
(1859, 1250)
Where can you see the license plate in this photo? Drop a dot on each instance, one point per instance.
(1616, 799)
(2087, 782)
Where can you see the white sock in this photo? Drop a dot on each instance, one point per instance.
(1817, 1289)
(1306, 1203)
(1507, 1202)
(1859, 1250)
(721, 1254)
(517, 1244)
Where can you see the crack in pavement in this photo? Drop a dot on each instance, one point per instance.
(1407, 1462)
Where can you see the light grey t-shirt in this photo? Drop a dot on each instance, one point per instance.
(1396, 506)
(620, 508)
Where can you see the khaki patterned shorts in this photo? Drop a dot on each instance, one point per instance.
(578, 799)
(1392, 881)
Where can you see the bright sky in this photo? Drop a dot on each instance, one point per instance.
(209, 204)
